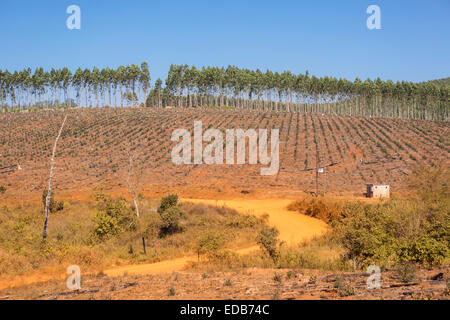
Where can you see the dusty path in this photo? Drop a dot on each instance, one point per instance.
(293, 228)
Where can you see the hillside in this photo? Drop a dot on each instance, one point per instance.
(96, 143)
(444, 82)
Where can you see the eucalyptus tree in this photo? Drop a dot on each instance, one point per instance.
(66, 82)
(78, 83)
(86, 86)
(95, 83)
(121, 77)
(144, 78)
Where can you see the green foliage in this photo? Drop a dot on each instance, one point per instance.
(209, 243)
(169, 201)
(245, 221)
(430, 183)
(55, 206)
(444, 82)
(425, 251)
(113, 217)
(170, 220)
(268, 241)
(2, 189)
(395, 232)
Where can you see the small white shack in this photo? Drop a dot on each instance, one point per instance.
(378, 191)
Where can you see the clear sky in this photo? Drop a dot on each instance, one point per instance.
(324, 37)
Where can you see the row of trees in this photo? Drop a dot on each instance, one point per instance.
(242, 88)
(187, 86)
(27, 89)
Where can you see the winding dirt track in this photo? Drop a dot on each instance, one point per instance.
(293, 228)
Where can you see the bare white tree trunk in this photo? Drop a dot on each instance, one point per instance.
(131, 187)
(50, 181)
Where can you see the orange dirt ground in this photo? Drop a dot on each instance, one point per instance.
(94, 147)
(93, 152)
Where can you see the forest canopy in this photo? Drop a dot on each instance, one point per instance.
(187, 86)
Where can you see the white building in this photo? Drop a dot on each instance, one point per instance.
(378, 191)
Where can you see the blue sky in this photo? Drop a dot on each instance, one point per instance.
(324, 37)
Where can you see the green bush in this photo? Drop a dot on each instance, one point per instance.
(2, 189)
(245, 221)
(209, 243)
(268, 241)
(106, 225)
(395, 232)
(113, 217)
(171, 220)
(425, 251)
(54, 205)
(169, 201)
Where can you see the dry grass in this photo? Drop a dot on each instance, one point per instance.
(72, 240)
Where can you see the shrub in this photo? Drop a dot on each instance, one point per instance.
(268, 241)
(2, 189)
(209, 243)
(344, 289)
(320, 208)
(429, 183)
(395, 232)
(407, 272)
(106, 225)
(367, 234)
(171, 220)
(425, 251)
(54, 205)
(171, 292)
(278, 278)
(113, 217)
(169, 201)
(245, 221)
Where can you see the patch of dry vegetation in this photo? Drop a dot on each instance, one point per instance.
(106, 231)
(389, 233)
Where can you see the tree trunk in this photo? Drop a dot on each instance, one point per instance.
(50, 181)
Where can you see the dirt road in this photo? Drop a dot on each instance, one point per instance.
(293, 228)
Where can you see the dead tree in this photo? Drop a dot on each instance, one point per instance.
(50, 181)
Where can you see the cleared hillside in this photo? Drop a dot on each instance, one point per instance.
(96, 143)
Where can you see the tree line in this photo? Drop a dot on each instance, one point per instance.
(187, 86)
(25, 89)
